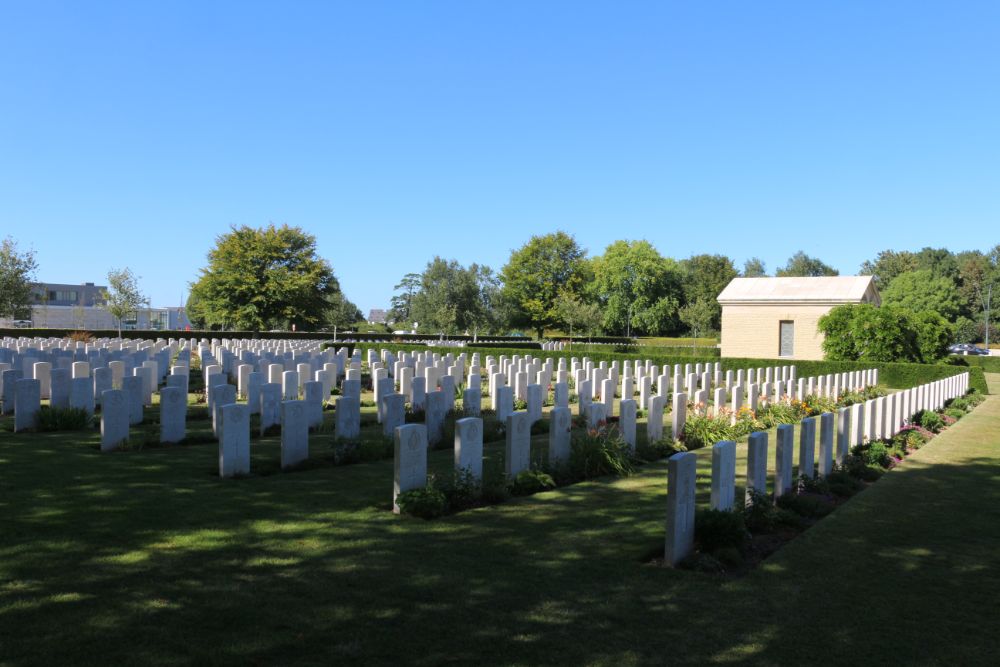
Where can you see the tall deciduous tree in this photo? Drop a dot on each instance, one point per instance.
(699, 316)
(17, 279)
(922, 290)
(754, 268)
(537, 272)
(451, 298)
(341, 312)
(802, 265)
(887, 265)
(577, 315)
(123, 296)
(259, 279)
(638, 287)
(705, 276)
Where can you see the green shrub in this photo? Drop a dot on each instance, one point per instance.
(719, 529)
(876, 454)
(973, 397)
(814, 484)
(778, 413)
(842, 483)
(63, 419)
(959, 403)
(461, 490)
(599, 452)
(805, 505)
(426, 503)
(706, 430)
(817, 405)
(532, 481)
(931, 421)
(856, 466)
(759, 513)
(954, 413)
(660, 449)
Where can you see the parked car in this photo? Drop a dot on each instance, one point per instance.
(967, 348)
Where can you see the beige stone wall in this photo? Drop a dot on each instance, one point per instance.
(752, 331)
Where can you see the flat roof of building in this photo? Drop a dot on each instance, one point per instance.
(805, 290)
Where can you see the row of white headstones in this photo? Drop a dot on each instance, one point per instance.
(306, 357)
(879, 418)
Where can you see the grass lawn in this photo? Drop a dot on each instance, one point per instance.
(146, 557)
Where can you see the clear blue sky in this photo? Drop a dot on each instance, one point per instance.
(132, 134)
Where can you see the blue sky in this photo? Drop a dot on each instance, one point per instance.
(132, 134)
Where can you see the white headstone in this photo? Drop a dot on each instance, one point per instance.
(681, 475)
(410, 460)
(234, 445)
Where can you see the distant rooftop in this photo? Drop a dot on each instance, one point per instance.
(822, 290)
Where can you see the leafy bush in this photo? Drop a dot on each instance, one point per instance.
(759, 513)
(863, 332)
(814, 484)
(959, 403)
(461, 490)
(931, 421)
(720, 529)
(856, 467)
(532, 481)
(805, 505)
(426, 503)
(876, 454)
(974, 397)
(778, 413)
(599, 452)
(705, 430)
(842, 483)
(817, 405)
(63, 419)
(660, 449)
(954, 413)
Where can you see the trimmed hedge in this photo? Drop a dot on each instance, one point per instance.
(260, 335)
(897, 375)
(523, 345)
(988, 364)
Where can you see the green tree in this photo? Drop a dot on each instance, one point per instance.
(537, 272)
(802, 265)
(452, 298)
(123, 296)
(17, 280)
(887, 265)
(402, 303)
(699, 316)
(341, 312)
(754, 268)
(863, 332)
(266, 278)
(867, 333)
(933, 333)
(578, 315)
(922, 290)
(638, 288)
(705, 276)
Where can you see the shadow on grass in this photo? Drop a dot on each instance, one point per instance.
(144, 559)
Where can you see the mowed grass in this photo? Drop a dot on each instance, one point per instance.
(146, 557)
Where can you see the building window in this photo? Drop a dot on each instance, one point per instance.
(63, 295)
(786, 338)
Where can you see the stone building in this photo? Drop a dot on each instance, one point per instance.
(65, 306)
(776, 318)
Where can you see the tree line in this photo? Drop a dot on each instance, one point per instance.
(273, 278)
